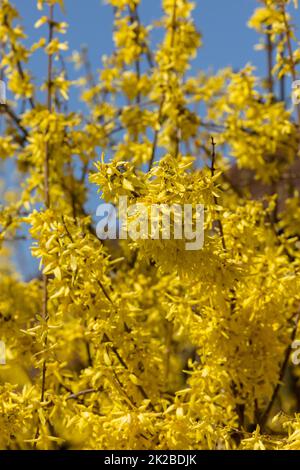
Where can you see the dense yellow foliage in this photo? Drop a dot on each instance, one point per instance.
(140, 344)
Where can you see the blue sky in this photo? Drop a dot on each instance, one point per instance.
(227, 39)
(223, 23)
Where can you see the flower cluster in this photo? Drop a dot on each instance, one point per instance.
(141, 344)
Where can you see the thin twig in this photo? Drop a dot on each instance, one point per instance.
(10, 112)
(212, 170)
(282, 79)
(269, 48)
(45, 313)
(174, 21)
(89, 73)
(88, 391)
(135, 19)
(123, 363)
(265, 416)
(290, 52)
(156, 132)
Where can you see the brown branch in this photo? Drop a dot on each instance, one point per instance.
(156, 132)
(135, 19)
(89, 74)
(282, 80)
(212, 170)
(265, 416)
(10, 112)
(240, 407)
(104, 291)
(174, 23)
(45, 313)
(17, 238)
(123, 363)
(290, 52)
(269, 48)
(88, 391)
(49, 107)
(21, 73)
(19, 65)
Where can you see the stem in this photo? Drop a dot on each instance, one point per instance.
(49, 107)
(212, 170)
(264, 418)
(19, 65)
(10, 112)
(269, 47)
(290, 53)
(123, 363)
(240, 408)
(45, 313)
(135, 18)
(156, 132)
(282, 80)
(88, 391)
(89, 74)
(174, 23)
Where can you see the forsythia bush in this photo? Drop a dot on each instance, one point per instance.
(141, 344)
